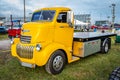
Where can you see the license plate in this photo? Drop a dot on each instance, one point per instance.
(28, 65)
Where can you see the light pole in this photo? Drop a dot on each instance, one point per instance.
(113, 14)
(108, 17)
(24, 12)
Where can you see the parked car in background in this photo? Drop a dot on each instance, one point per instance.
(104, 27)
(117, 26)
(94, 26)
(3, 29)
(15, 30)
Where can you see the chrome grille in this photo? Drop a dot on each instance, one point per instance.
(25, 39)
(25, 51)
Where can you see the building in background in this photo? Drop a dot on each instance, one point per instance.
(102, 22)
(8, 20)
(85, 18)
(18, 18)
(2, 20)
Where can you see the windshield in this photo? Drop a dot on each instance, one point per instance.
(46, 15)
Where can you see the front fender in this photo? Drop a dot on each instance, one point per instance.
(13, 46)
(43, 56)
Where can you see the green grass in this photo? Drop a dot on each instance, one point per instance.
(3, 36)
(94, 67)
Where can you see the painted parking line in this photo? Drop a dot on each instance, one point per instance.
(5, 50)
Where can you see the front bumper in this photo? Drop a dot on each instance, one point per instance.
(28, 65)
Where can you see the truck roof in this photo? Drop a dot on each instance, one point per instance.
(54, 8)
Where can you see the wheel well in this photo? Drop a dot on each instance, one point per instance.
(64, 54)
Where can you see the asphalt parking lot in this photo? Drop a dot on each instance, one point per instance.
(4, 46)
(4, 51)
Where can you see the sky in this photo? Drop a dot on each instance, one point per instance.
(99, 9)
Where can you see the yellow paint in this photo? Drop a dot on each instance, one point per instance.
(13, 46)
(78, 48)
(50, 36)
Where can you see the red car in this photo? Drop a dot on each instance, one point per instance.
(93, 26)
(15, 30)
(104, 27)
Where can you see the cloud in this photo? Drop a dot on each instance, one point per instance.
(99, 9)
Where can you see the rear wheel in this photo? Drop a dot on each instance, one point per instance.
(105, 47)
(56, 63)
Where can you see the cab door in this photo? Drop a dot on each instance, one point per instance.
(63, 32)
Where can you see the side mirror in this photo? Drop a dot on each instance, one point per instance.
(70, 18)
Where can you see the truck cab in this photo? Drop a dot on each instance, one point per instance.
(48, 40)
(49, 33)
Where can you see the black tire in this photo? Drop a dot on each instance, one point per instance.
(115, 75)
(109, 42)
(105, 47)
(56, 63)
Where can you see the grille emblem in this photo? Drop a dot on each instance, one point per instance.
(25, 30)
(25, 39)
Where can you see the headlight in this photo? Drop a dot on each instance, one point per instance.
(12, 40)
(38, 47)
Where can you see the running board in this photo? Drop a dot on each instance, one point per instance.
(74, 58)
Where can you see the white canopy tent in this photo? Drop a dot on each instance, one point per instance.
(1, 22)
(79, 24)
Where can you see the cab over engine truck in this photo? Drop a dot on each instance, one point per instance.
(49, 40)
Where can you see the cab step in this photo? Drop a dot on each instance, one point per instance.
(74, 58)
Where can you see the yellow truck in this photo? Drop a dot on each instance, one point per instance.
(49, 40)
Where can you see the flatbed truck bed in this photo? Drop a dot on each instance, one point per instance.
(87, 43)
(88, 36)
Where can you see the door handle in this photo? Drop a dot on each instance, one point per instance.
(61, 26)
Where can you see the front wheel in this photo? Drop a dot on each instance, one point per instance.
(56, 63)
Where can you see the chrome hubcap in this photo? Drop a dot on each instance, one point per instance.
(58, 63)
(106, 47)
